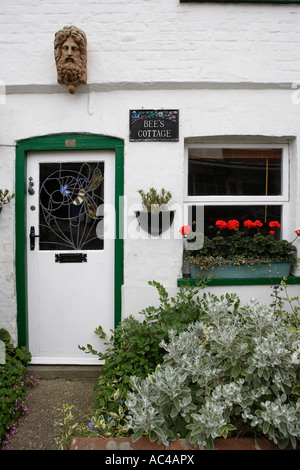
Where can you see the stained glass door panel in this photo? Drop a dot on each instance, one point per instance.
(70, 195)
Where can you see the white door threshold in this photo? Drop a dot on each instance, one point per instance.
(65, 361)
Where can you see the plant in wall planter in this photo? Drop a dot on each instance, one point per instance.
(155, 217)
(5, 197)
(248, 249)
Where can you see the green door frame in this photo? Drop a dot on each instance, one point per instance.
(63, 142)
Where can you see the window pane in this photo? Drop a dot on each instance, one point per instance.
(234, 172)
(265, 214)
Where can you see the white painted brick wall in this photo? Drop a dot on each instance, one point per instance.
(143, 40)
(7, 236)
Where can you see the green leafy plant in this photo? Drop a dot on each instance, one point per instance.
(233, 372)
(14, 384)
(102, 423)
(134, 347)
(67, 427)
(237, 244)
(153, 198)
(5, 197)
(286, 307)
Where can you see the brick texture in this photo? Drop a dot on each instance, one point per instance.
(82, 443)
(264, 444)
(143, 40)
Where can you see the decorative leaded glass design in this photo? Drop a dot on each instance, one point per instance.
(70, 194)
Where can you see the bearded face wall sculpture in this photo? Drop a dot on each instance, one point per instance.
(71, 57)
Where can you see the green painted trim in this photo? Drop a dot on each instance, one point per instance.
(20, 248)
(51, 143)
(240, 282)
(119, 243)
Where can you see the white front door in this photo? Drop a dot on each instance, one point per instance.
(70, 253)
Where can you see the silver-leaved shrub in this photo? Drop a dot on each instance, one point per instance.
(234, 372)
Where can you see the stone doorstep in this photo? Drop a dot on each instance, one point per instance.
(143, 443)
(62, 371)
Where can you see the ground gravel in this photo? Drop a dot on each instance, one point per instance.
(37, 430)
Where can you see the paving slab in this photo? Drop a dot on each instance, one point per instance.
(38, 429)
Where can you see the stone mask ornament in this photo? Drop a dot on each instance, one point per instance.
(70, 52)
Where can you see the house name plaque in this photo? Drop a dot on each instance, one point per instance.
(154, 125)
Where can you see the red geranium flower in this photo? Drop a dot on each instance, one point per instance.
(257, 224)
(297, 232)
(274, 223)
(271, 232)
(233, 224)
(248, 223)
(221, 224)
(185, 229)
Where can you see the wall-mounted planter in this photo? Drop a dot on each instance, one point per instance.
(143, 443)
(271, 269)
(155, 222)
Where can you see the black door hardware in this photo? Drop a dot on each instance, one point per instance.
(32, 237)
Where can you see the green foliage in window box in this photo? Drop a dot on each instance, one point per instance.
(234, 372)
(236, 246)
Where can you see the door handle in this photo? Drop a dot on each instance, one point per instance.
(32, 237)
(31, 191)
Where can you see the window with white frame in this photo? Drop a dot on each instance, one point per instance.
(242, 182)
